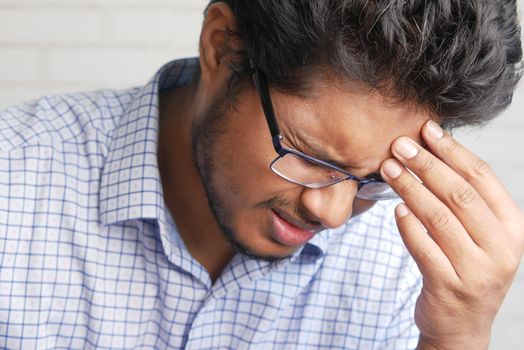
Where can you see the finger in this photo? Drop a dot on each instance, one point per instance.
(443, 227)
(430, 259)
(454, 191)
(473, 169)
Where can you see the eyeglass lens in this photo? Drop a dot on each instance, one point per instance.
(313, 175)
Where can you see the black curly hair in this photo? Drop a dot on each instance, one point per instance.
(459, 59)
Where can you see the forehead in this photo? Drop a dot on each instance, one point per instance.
(350, 122)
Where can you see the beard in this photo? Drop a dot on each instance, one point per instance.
(206, 131)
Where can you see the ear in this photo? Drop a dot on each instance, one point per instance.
(217, 44)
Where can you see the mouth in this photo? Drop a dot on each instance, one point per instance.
(291, 232)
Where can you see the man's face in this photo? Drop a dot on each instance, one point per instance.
(256, 209)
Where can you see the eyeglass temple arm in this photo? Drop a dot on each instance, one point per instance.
(263, 91)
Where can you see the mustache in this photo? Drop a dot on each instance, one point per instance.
(286, 205)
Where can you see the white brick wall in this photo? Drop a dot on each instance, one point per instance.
(49, 46)
(69, 45)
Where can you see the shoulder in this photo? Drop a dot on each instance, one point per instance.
(62, 118)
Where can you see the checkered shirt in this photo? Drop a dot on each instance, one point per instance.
(90, 258)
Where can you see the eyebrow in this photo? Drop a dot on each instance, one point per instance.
(314, 152)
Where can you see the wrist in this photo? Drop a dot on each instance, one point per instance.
(471, 343)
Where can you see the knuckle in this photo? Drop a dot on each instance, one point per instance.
(508, 265)
(463, 196)
(474, 291)
(487, 286)
(442, 220)
(407, 188)
(464, 293)
(495, 279)
(479, 168)
(451, 146)
(409, 226)
(427, 164)
(425, 254)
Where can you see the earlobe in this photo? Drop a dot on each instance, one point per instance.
(217, 43)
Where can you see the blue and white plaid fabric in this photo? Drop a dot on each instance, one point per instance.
(89, 257)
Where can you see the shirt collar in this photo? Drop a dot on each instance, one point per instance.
(130, 183)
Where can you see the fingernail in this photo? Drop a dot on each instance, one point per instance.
(434, 130)
(406, 148)
(402, 210)
(392, 169)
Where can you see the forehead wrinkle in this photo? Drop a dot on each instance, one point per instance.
(308, 145)
(303, 130)
(312, 147)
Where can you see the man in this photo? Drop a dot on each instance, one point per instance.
(246, 199)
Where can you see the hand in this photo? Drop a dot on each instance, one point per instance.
(463, 230)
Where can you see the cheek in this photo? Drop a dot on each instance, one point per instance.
(242, 158)
(241, 167)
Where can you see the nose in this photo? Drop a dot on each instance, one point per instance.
(331, 206)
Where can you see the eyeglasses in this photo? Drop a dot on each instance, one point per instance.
(304, 170)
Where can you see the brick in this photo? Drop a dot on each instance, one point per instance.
(14, 95)
(187, 5)
(112, 67)
(19, 65)
(169, 27)
(28, 26)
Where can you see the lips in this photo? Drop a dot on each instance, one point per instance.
(289, 231)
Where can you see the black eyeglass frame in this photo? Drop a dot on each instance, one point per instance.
(262, 88)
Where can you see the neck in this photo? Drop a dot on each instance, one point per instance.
(184, 193)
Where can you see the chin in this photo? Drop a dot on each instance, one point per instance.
(257, 244)
(254, 253)
(273, 251)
